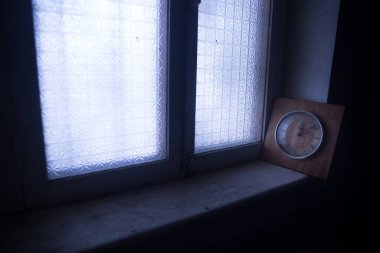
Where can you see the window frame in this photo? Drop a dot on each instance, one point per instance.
(40, 191)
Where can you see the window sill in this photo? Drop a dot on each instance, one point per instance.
(99, 222)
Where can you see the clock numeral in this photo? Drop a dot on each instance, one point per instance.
(314, 127)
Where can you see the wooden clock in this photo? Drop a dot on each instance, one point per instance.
(302, 135)
(299, 134)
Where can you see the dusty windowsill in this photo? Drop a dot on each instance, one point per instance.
(88, 225)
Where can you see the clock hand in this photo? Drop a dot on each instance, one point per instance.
(301, 128)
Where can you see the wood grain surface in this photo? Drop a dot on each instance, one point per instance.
(317, 165)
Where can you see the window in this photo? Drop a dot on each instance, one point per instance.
(119, 93)
(231, 67)
(102, 69)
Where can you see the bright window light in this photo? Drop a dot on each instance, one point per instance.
(102, 81)
(231, 72)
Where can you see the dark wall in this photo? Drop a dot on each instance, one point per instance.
(353, 84)
(11, 197)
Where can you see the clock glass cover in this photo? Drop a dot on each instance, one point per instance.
(299, 134)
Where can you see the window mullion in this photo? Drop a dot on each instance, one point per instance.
(191, 31)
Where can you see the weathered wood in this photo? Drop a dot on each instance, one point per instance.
(318, 164)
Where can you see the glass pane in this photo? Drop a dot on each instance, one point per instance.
(231, 72)
(102, 80)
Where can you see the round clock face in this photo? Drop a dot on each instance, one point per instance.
(299, 134)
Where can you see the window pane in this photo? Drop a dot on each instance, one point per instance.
(231, 72)
(102, 80)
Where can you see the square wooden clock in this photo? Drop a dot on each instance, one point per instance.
(302, 136)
